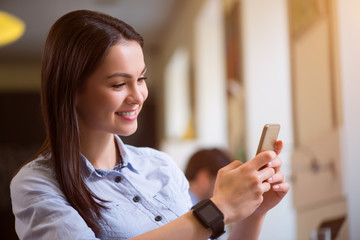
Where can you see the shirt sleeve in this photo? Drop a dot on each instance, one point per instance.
(41, 210)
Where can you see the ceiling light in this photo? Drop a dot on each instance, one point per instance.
(11, 28)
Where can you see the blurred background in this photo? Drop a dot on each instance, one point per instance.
(218, 71)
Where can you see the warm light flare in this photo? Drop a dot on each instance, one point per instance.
(11, 28)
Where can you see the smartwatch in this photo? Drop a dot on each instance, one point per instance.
(210, 216)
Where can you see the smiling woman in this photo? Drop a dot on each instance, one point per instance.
(85, 183)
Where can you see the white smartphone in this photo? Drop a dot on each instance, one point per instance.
(268, 138)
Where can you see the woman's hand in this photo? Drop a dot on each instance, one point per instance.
(239, 187)
(279, 187)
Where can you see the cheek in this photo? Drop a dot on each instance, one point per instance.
(110, 102)
(97, 102)
(145, 93)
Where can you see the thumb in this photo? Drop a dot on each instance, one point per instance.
(234, 164)
(278, 147)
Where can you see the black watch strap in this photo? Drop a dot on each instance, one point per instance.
(210, 217)
(218, 229)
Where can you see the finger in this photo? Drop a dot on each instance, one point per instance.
(262, 159)
(234, 164)
(265, 187)
(266, 173)
(278, 147)
(281, 187)
(277, 178)
(276, 164)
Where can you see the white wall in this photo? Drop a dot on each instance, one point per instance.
(349, 31)
(266, 60)
(210, 82)
(177, 95)
(210, 86)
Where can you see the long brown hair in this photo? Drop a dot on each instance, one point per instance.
(76, 45)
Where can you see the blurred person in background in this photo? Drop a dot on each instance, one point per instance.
(201, 171)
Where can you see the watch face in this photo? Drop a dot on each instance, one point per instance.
(209, 212)
(210, 216)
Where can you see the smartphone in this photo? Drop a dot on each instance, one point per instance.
(268, 138)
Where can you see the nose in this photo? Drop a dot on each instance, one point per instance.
(137, 94)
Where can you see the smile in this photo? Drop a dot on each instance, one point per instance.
(128, 115)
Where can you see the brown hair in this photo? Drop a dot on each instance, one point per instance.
(76, 45)
(210, 159)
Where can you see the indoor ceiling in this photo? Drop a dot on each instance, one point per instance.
(148, 17)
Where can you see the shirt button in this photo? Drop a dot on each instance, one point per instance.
(158, 218)
(136, 199)
(117, 179)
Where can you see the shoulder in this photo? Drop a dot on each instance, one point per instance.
(40, 208)
(35, 176)
(39, 167)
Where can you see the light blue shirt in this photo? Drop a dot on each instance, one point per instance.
(193, 198)
(148, 191)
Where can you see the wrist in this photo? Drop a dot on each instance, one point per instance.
(257, 216)
(222, 208)
(258, 213)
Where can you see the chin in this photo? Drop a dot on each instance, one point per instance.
(127, 132)
(124, 134)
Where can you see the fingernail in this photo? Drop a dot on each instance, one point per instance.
(270, 164)
(270, 179)
(276, 187)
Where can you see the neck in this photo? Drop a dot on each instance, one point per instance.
(100, 149)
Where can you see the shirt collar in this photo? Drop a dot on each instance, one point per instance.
(127, 157)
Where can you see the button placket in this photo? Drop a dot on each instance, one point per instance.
(142, 203)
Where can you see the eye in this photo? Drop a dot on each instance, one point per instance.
(120, 85)
(142, 79)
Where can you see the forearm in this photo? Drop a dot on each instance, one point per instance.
(249, 228)
(184, 227)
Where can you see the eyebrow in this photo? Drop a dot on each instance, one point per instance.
(125, 75)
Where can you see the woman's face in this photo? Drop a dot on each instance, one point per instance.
(113, 95)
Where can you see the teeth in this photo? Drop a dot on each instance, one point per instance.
(127, 113)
